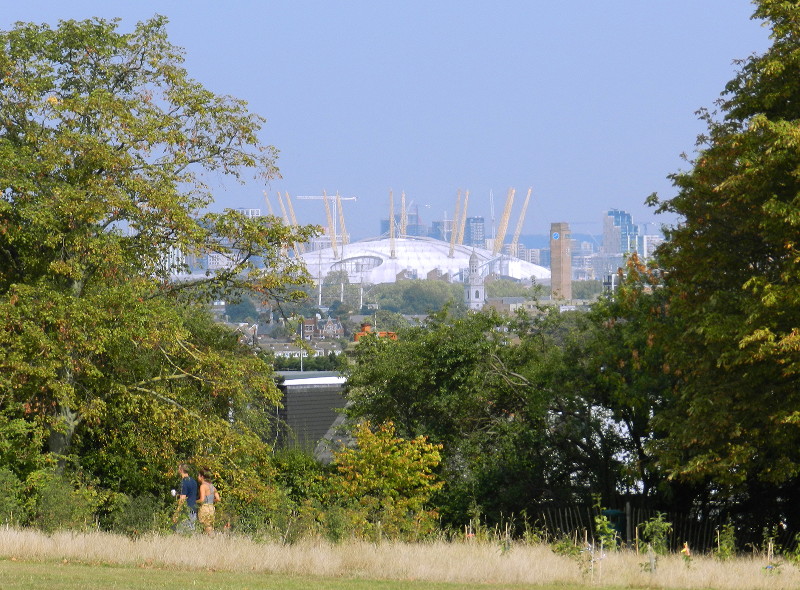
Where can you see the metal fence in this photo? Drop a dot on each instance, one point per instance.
(701, 533)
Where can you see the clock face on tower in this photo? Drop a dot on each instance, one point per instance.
(556, 235)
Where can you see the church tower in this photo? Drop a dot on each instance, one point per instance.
(475, 294)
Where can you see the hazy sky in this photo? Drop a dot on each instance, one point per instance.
(589, 102)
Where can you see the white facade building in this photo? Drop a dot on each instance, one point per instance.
(377, 261)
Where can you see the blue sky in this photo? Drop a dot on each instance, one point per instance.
(590, 103)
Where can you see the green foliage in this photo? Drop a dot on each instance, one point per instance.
(109, 368)
(338, 294)
(569, 547)
(726, 542)
(388, 482)
(605, 534)
(384, 320)
(59, 503)
(586, 289)
(416, 297)
(510, 288)
(12, 511)
(443, 358)
(242, 311)
(732, 274)
(137, 516)
(300, 475)
(655, 533)
(793, 554)
(566, 546)
(329, 362)
(509, 402)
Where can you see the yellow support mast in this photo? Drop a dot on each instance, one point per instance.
(454, 225)
(269, 205)
(463, 225)
(298, 246)
(331, 228)
(520, 221)
(501, 231)
(342, 227)
(403, 214)
(283, 209)
(392, 253)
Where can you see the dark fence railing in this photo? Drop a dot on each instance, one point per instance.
(701, 533)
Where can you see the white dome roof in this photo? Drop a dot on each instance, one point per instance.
(370, 261)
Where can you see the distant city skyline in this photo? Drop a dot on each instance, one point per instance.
(589, 103)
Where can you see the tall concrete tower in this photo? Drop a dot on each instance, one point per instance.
(560, 261)
(474, 292)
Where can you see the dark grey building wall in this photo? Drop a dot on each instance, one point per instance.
(308, 413)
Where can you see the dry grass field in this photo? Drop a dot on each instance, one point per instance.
(461, 563)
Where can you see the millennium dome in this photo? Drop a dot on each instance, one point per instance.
(371, 261)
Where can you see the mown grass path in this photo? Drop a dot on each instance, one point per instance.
(21, 575)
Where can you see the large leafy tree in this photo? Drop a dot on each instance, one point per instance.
(415, 297)
(516, 402)
(107, 149)
(733, 278)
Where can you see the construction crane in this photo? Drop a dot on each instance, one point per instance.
(501, 231)
(298, 246)
(520, 221)
(342, 228)
(403, 215)
(337, 203)
(463, 225)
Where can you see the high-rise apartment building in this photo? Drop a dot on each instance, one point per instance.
(414, 224)
(441, 229)
(620, 234)
(475, 232)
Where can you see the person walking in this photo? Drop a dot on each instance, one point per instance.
(208, 497)
(188, 499)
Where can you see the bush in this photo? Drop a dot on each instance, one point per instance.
(385, 483)
(139, 515)
(59, 503)
(300, 474)
(655, 532)
(12, 510)
(603, 529)
(726, 542)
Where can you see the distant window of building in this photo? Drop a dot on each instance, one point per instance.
(357, 264)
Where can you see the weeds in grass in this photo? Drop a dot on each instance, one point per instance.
(606, 535)
(655, 532)
(726, 542)
(793, 554)
(433, 561)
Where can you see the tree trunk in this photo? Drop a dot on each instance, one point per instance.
(60, 438)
